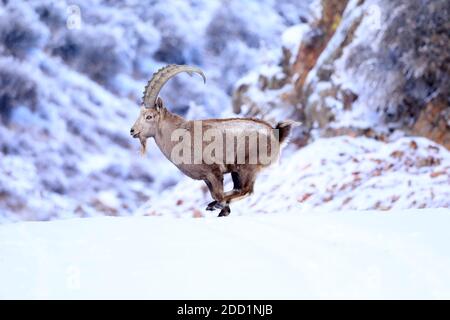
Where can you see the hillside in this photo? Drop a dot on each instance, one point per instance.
(341, 173)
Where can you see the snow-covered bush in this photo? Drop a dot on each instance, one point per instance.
(144, 41)
(93, 52)
(51, 13)
(293, 11)
(20, 30)
(417, 42)
(226, 25)
(237, 36)
(247, 22)
(244, 59)
(17, 87)
(176, 24)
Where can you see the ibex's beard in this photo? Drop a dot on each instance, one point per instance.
(143, 141)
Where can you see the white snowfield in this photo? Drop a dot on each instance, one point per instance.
(396, 254)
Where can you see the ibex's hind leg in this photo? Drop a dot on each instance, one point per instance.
(237, 184)
(225, 211)
(247, 182)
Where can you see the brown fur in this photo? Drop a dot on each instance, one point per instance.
(284, 128)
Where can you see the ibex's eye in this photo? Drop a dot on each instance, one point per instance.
(149, 117)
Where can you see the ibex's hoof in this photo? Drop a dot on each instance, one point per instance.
(211, 206)
(224, 212)
(214, 205)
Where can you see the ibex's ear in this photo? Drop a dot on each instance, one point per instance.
(159, 104)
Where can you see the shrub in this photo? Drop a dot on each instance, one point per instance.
(176, 26)
(250, 22)
(94, 53)
(20, 30)
(51, 13)
(16, 87)
(417, 42)
(227, 26)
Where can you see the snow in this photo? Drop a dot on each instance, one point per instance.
(341, 173)
(355, 77)
(292, 38)
(325, 255)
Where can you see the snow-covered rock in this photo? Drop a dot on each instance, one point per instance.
(292, 38)
(365, 65)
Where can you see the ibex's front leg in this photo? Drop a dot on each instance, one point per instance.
(215, 185)
(214, 204)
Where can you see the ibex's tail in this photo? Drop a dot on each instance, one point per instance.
(284, 128)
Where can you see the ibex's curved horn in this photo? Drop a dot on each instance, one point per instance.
(160, 77)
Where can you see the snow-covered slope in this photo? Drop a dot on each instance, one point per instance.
(341, 173)
(403, 254)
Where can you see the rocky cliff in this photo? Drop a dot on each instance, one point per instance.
(361, 67)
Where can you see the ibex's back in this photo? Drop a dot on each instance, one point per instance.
(243, 140)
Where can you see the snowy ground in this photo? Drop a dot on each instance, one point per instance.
(400, 254)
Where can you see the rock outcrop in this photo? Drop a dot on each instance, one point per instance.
(364, 67)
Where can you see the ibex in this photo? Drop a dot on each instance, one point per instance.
(233, 152)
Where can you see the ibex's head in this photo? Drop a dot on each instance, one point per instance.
(151, 113)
